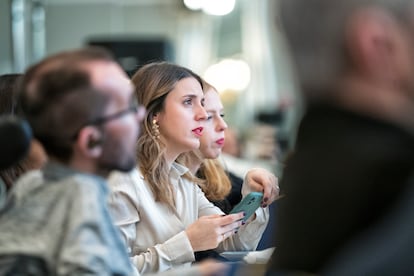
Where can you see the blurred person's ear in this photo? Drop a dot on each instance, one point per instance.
(89, 141)
(375, 44)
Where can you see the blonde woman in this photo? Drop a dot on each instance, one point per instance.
(222, 188)
(162, 213)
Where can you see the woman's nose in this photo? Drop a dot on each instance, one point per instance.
(222, 125)
(201, 113)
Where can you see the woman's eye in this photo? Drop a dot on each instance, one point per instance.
(188, 101)
(209, 117)
(222, 115)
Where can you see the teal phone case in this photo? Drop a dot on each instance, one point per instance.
(249, 204)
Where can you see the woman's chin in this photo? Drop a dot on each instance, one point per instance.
(193, 145)
(212, 155)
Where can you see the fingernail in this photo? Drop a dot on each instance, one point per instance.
(244, 214)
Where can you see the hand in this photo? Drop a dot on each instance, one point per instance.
(208, 231)
(261, 180)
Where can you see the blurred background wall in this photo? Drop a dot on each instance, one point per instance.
(242, 53)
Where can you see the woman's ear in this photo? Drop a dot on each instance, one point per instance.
(90, 141)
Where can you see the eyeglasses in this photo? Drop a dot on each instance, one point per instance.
(105, 119)
(102, 120)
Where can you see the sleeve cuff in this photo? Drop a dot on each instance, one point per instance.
(179, 248)
(254, 229)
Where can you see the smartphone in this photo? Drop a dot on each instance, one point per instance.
(249, 205)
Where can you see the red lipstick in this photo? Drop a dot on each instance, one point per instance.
(198, 131)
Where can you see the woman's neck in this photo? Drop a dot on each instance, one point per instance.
(192, 161)
(170, 157)
(193, 165)
(170, 160)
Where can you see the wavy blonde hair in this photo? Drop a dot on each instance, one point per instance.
(217, 183)
(152, 83)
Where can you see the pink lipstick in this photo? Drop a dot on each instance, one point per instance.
(220, 142)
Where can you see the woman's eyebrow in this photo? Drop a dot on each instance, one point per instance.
(190, 95)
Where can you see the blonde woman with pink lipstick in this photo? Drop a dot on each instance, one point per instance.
(222, 188)
(163, 215)
(219, 188)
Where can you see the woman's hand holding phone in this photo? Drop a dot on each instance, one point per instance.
(248, 205)
(261, 180)
(209, 231)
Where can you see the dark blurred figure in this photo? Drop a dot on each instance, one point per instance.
(386, 249)
(355, 144)
(8, 88)
(14, 140)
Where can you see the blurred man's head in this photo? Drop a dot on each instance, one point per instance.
(330, 39)
(81, 107)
